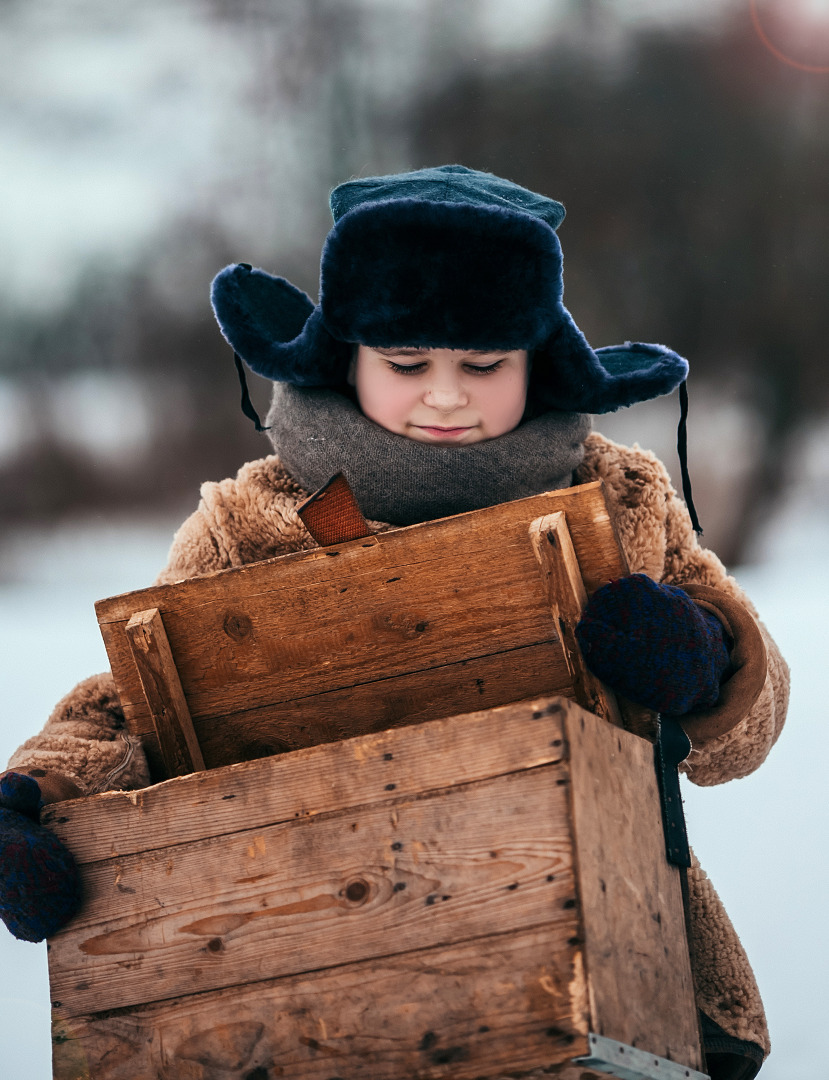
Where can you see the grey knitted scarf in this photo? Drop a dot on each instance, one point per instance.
(318, 433)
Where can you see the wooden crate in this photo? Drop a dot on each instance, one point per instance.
(401, 895)
(465, 898)
(424, 622)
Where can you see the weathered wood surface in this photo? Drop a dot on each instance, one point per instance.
(441, 904)
(566, 596)
(414, 605)
(346, 775)
(474, 1009)
(446, 690)
(636, 953)
(162, 689)
(320, 891)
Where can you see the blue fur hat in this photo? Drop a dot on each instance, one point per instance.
(445, 257)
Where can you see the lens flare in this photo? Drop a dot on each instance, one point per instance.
(775, 50)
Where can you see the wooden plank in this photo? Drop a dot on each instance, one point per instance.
(503, 1003)
(341, 776)
(410, 596)
(288, 948)
(566, 596)
(278, 644)
(638, 970)
(320, 891)
(164, 696)
(594, 541)
(483, 682)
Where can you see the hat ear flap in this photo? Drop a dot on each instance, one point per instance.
(568, 375)
(275, 328)
(639, 372)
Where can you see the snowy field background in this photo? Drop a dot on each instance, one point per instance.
(762, 839)
(123, 131)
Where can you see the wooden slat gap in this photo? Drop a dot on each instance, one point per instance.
(292, 697)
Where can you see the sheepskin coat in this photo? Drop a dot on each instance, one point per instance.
(253, 517)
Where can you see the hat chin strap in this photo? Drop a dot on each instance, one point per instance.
(682, 451)
(247, 405)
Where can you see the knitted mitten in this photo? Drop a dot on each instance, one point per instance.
(653, 644)
(40, 888)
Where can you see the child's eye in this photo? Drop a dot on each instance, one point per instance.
(406, 369)
(477, 369)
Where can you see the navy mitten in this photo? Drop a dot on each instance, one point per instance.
(653, 644)
(40, 888)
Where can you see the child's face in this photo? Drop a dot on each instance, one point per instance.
(444, 396)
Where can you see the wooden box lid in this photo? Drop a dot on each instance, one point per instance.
(403, 626)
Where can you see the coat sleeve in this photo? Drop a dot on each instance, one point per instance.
(84, 746)
(238, 521)
(735, 737)
(84, 743)
(655, 532)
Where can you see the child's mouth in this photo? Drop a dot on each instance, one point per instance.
(446, 432)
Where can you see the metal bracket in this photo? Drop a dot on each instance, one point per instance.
(629, 1063)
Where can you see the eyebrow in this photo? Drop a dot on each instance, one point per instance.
(421, 352)
(398, 352)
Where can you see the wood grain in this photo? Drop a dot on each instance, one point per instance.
(463, 898)
(448, 690)
(636, 952)
(395, 605)
(566, 597)
(331, 515)
(273, 644)
(477, 1009)
(320, 891)
(156, 669)
(345, 775)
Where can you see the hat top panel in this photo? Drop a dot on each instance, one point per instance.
(446, 183)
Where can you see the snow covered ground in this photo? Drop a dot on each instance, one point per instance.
(762, 839)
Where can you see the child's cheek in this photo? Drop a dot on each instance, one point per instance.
(502, 403)
(386, 401)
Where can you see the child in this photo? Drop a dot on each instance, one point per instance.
(441, 373)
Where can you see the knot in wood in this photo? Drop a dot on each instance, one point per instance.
(356, 891)
(237, 626)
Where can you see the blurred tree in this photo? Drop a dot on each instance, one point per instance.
(694, 168)
(693, 164)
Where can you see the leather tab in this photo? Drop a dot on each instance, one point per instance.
(672, 747)
(332, 516)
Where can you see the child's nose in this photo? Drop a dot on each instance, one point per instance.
(446, 395)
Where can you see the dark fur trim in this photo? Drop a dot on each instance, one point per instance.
(451, 275)
(445, 184)
(436, 275)
(276, 329)
(567, 374)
